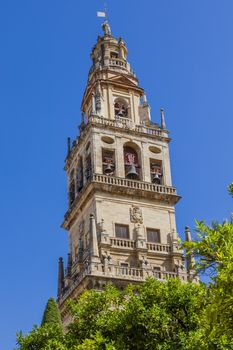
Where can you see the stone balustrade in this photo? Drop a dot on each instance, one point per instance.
(158, 247)
(126, 123)
(117, 62)
(122, 243)
(118, 272)
(128, 272)
(140, 185)
(164, 275)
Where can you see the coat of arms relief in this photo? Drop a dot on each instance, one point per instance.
(136, 215)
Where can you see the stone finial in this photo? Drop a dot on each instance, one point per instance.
(94, 251)
(163, 124)
(60, 277)
(82, 125)
(187, 234)
(189, 258)
(144, 99)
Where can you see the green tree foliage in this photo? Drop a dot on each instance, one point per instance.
(214, 255)
(47, 337)
(154, 315)
(51, 314)
(230, 189)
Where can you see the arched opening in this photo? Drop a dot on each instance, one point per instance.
(121, 108)
(132, 161)
(88, 171)
(113, 55)
(156, 171)
(108, 162)
(79, 176)
(71, 188)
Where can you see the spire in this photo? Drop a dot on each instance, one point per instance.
(60, 277)
(163, 124)
(93, 238)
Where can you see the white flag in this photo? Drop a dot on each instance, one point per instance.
(101, 14)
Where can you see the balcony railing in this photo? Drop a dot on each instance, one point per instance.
(128, 272)
(158, 247)
(139, 185)
(164, 275)
(122, 243)
(118, 272)
(126, 123)
(117, 62)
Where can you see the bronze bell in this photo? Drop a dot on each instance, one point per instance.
(108, 170)
(156, 179)
(132, 173)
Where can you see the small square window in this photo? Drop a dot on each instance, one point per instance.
(153, 235)
(122, 231)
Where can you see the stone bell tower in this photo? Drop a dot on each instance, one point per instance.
(121, 216)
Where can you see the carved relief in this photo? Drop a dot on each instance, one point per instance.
(136, 214)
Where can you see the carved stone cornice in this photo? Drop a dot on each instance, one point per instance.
(120, 186)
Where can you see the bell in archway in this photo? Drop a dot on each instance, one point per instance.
(156, 179)
(132, 173)
(108, 170)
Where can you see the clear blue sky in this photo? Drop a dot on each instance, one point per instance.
(182, 52)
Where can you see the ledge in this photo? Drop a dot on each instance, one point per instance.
(120, 186)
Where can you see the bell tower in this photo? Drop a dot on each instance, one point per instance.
(121, 201)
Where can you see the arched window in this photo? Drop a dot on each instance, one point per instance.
(79, 176)
(113, 55)
(156, 171)
(88, 170)
(131, 161)
(71, 189)
(108, 161)
(121, 108)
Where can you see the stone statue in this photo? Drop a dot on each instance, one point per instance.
(106, 28)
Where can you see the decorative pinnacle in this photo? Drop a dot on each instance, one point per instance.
(163, 124)
(187, 234)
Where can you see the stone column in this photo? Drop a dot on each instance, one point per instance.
(120, 167)
(94, 251)
(93, 109)
(145, 163)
